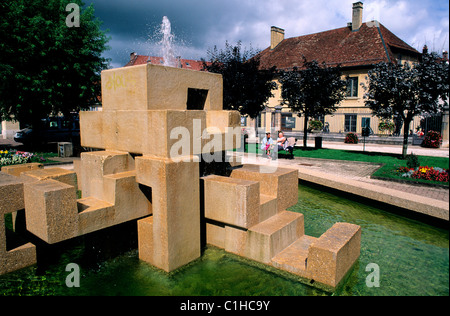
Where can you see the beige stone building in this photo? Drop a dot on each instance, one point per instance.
(356, 47)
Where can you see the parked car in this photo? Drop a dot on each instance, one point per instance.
(53, 130)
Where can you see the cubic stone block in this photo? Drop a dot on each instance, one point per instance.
(231, 201)
(94, 214)
(155, 87)
(12, 194)
(95, 165)
(334, 253)
(145, 239)
(16, 170)
(122, 191)
(176, 209)
(59, 174)
(51, 210)
(282, 183)
(267, 239)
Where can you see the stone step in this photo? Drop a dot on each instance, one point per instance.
(267, 207)
(94, 214)
(294, 258)
(268, 238)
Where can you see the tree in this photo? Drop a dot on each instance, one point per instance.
(47, 67)
(245, 87)
(405, 91)
(313, 91)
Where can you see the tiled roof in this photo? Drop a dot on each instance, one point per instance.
(185, 63)
(367, 46)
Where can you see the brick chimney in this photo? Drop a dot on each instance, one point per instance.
(445, 55)
(425, 49)
(357, 16)
(276, 36)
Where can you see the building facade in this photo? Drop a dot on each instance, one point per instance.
(356, 48)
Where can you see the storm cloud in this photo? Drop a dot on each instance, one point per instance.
(200, 24)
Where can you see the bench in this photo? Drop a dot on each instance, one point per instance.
(289, 153)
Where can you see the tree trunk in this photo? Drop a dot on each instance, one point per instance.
(305, 132)
(407, 123)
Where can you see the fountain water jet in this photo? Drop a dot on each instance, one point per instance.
(167, 42)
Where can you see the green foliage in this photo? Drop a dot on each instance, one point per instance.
(412, 161)
(313, 91)
(47, 67)
(315, 125)
(404, 91)
(245, 87)
(386, 125)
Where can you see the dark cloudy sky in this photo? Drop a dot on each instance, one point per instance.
(200, 24)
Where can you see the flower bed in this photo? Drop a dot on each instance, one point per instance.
(14, 157)
(425, 173)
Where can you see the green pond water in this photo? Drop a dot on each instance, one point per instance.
(413, 259)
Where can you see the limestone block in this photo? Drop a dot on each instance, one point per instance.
(51, 210)
(236, 240)
(59, 174)
(267, 239)
(231, 201)
(145, 239)
(16, 170)
(155, 87)
(95, 165)
(11, 192)
(91, 129)
(122, 190)
(215, 235)
(282, 183)
(294, 258)
(176, 208)
(125, 88)
(334, 253)
(94, 214)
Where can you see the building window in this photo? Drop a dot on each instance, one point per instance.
(350, 123)
(352, 87)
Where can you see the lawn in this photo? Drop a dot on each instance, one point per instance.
(391, 162)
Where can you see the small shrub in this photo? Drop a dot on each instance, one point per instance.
(432, 140)
(351, 138)
(384, 126)
(315, 125)
(412, 161)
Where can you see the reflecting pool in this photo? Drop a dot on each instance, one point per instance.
(413, 259)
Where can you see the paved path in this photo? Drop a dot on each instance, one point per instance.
(354, 177)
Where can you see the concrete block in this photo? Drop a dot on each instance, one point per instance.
(231, 201)
(176, 208)
(122, 191)
(16, 170)
(51, 210)
(94, 215)
(91, 129)
(145, 239)
(282, 183)
(59, 174)
(155, 87)
(215, 235)
(334, 253)
(95, 165)
(267, 239)
(11, 192)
